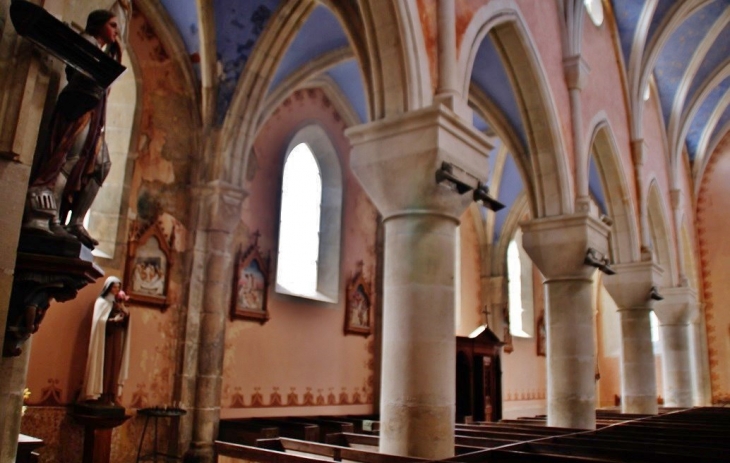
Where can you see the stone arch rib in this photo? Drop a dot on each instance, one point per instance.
(502, 20)
(624, 231)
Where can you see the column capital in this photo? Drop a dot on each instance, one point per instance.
(558, 245)
(220, 205)
(679, 307)
(675, 195)
(396, 159)
(638, 151)
(576, 71)
(631, 286)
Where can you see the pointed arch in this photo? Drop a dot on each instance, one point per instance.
(661, 235)
(644, 56)
(520, 208)
(690, 73)
(614, 182)
(419, 89)
(330, 219)
(170, 37)
(677, 141)
(707, 156)
(493, 116)
(503, 21)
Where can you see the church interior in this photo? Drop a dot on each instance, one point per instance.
(427, 227)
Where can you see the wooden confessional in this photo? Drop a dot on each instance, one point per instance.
(478, 378)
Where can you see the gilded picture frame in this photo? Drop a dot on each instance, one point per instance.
(250, 285)
(359, 304)
(149, 261)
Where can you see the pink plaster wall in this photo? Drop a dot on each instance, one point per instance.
(713, 221)
(602, 95)
(542, 21)
(524, 373)
(165, 148)
(300, 361)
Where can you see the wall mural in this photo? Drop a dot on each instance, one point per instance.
(310, 398)
(250, 284)
(358, 312)
(149, 258)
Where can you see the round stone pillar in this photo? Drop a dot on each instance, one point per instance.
(675, 314)
(571, 358)
(631, 289)
(676, 365)
(218, 212)
(396, 161)
(638, 368)
(558, 246)
(419, 344)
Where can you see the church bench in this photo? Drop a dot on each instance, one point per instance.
(249, 454)
(686, 436)
(362, 423)
(339, 453)
(245, 432)
(636, 455)
(536, 430)
(499, 434)
(347, 439)
(484, 442)
(291, 429)
(676, 450)
(326, 426)
(516, 456)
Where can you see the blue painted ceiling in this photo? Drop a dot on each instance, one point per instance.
(238, 25)
(675, 56)
(490, 76)
(319, 34)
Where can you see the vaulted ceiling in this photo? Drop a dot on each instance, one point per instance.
(679, 47)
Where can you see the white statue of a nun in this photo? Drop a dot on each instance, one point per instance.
(108, 360)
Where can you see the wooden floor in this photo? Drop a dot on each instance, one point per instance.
(686, 435)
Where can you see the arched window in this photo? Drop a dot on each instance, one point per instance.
(310, 218)
(654, 321)
(519, 274)
(301, 199)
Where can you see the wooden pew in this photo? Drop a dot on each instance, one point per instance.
(339, 453)
(537, 430)
(326, 426)
(635, 455)
(291, 429)
(679, 451)
(248, 453)
(245, 432)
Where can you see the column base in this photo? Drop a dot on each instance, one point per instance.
(98, 433)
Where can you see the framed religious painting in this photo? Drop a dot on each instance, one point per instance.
(358, 306)
(541, 336)
(250, 284)
(149, 259)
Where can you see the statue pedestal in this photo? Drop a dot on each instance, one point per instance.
(98, 422)
(47, 267)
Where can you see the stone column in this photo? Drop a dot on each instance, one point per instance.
(558, 246)
(13, 370)
(675, 314)
(631, 289)
(396, 160)
(24, 79)
(701, 389)
(218, 214)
